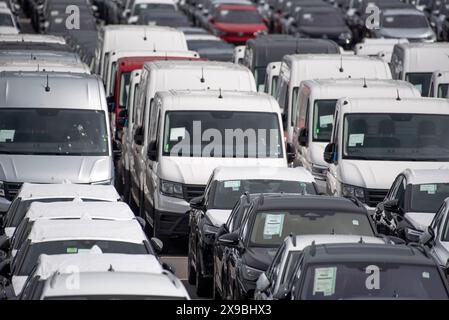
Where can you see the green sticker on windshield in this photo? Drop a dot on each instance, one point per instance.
(72, 250)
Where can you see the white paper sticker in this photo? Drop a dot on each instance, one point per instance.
(58, 20)
(355, 222)
(426, 275)
(7, 135)
(389, 19)
(355, 139)
(273, 224)
(326, 120)
(84, 250)
(175, 133)
(324, 281)
(429, 188)
(54, 13)
(419, 87)
(234, 184)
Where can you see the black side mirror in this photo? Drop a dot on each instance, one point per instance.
(291, 152)
(152, 150)
(197, 203)
(392, 206)
(329, 153)
(138, 136)
(229, 239)
(303, 137)
(157, 244)
(111, 103)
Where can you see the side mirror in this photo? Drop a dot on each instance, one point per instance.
(263, 283)
(303, 137)
(329, 153)
(291, 152)
(142, 222)
(152, 150)
(428, 236)
(229, 239)
(138, 136)
(157, 244)
(197, 203)
(392, 206)
(168, 267)
(111, 103)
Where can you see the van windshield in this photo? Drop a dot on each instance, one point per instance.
(43, 131)
(396, 137)
(323, 119)
(222, 134)
(420, 80)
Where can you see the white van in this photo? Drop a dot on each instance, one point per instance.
(192, 133)
(272, 78)
(315, 114)
(53, 128)
(43, 66)
(176, 75)
(374, 139)
(33, 38)
(416, 62)
(124, 37)
(381, 48)
(300, 67)
(439, 85)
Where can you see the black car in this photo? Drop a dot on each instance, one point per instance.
(367, 271)
(261, 51)
(164, 17)
(212, 48)
(270, 218)
(322, 22)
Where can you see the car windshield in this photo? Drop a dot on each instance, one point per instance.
(43, 131)
(227, 193)
(144, 7)
(349, 281)
(124, 89)
(323, 119)
(239, 16)
(271, 227)
(321, 19)
(443, 90)
(222, 134)
(421, 81)
(396, 137)
(428, 197)
(28, 254)
(404, 21)
(6, 20)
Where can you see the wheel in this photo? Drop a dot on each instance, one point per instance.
(203, 285)
(191, 275)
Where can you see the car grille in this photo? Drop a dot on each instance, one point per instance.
(11, 189)
(192, 191)
(374, 196)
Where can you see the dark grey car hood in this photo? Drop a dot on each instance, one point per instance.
(259, 258)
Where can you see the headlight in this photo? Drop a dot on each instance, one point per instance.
(250, 273)
(2, 189)
(171, 189)
(351, 191)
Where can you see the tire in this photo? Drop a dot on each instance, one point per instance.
(191, 275)
(203, 285)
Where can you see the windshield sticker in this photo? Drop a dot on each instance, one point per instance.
(143, 6)
(7, 135)
(273, 225)
(426, 275)
(356, 140)
(419, 87)
(324, 281)
(429, 188)
(175, 133)
(58, 20)
(84, 250)
(355, 222)
(72, 250)
(389, 19)
(235, 185)
(326, 120)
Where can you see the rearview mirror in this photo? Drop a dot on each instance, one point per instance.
(303, 137)
(229, 239)
(4, 245)
(152, 150)
(157, 244)
(329, 153)
(197, 203)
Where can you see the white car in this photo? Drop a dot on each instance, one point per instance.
(7, 22)
(33, 38)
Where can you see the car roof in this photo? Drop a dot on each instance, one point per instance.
(94, 261)
(67, 90)
(298, 243)
(422, 176)
(262, 173)
(117, 283)
(154, 1)
(39, 55)
(79, 210)
(86, 229)
(402, 11)
(44, 66)
(186, 65)
(210, 100)
(308, 202)
(116, 55)
(366, 252)
(441, 76)
(31, 191)
(32, 38)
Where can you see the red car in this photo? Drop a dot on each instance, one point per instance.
(236, 23)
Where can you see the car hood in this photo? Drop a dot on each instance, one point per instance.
(419, 220)
(8, 30)
(415, 33)
(259, 258)
(218, 217)
(54, 169)
(379, 174)
(18, 282)
(320, 31)
(195, 170)
(237, 27)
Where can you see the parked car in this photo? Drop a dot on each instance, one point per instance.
(8, 23)
(210, 47)
(137, 8)
(165, 18)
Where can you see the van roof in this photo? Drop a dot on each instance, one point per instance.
(44, 65)
(209, 100)
(40, 55)
(441, 76)
(71, 91)
(262, 173)
(130, 63)
(32, 191)
(25, 37)
(425, 57)
(194, 65)
(389, 105)
(86, 229)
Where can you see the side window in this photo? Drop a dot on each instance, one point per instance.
(208, 188)
(231, 221)
(437, 224)
(274, 85)
(401, 193)
(282, 94)
(277, 265)
(294, 105)
(265, 89)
